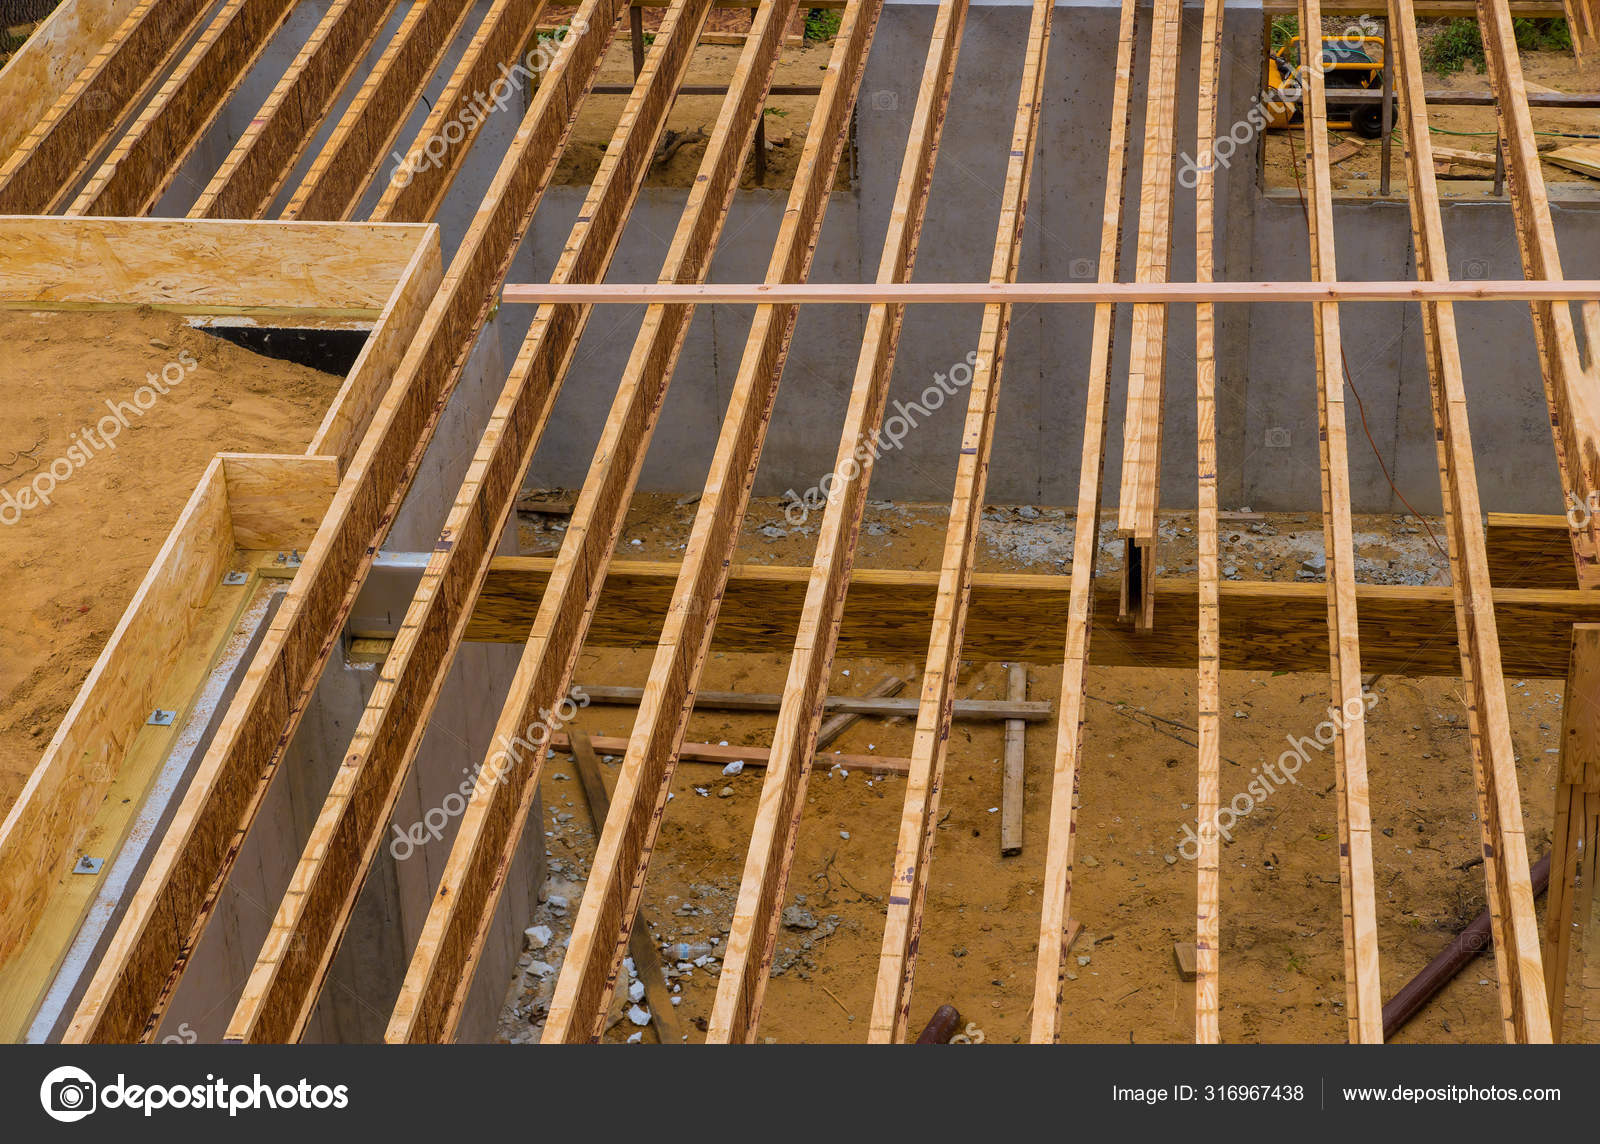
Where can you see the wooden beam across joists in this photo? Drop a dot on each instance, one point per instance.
(169, 912)
(263, 156)
(295, 959)
(1506, 873)
(919, 816)
(1147, 349)
(1265, 626)
(1081, 602)
(1363, 992)
(747, 960)
(616, 881)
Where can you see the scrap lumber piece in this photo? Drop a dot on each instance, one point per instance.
(616, 881)
(891, 1002)
(1583, 158)
(1572, 387)
(1364, 996)
(1568, 917)
(1510, 896)
(416, 190)
(1202, 964)
(332, 186)
(798, 734)
(145, 161)
(1147, 348)
(294, 961)
(718, 754)
(642, 947)
(264, 155)
(1014, 768)
(1057, 890)
(58, 148)
(1006, 710)
(168, 914)
(836, 725)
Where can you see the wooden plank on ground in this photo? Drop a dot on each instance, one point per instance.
(1014, 768)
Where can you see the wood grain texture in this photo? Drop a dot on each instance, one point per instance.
(919, 815)
(752, 936)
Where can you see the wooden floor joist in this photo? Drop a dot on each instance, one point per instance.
(145, 161)
(1147, 347)
(332, 186)
(919, 816)
(1080, 604)
(57, 150)
(1509, 889)
(1572, 927)
(298, 953)
(264, 155)
(416, 187)
(1572, 387)
(747, 960)
(1363, 992)
(616, 881)
(169, 912)
(1208, 675)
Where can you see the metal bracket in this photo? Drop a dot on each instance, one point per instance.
(88, 865)
(236, 578)
(160, 718)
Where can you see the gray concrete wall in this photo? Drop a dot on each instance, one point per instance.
(1266, 387)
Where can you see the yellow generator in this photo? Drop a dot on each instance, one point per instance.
(1348, 62)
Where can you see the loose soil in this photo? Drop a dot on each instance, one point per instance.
(1282, 968)
(70, 568)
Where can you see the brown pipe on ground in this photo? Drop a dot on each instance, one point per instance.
(941, 1027)
(1451, 960)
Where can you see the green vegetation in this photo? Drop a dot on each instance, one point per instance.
(1459, 44)
(1542, 35)
(822, 23)
(1284, 29)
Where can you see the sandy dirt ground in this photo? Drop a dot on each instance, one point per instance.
(70, 568)
(1361, 173)
(1282, 962)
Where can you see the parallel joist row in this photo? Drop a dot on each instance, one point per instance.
(169, 912)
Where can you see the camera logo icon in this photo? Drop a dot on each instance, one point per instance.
(885, 100)
(68, 1094)
(1277, 437)
(1475, 269)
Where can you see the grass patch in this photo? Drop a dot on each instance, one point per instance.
(822, 23)
(1459, 44)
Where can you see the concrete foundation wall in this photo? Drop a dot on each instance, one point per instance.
(1266, 384)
